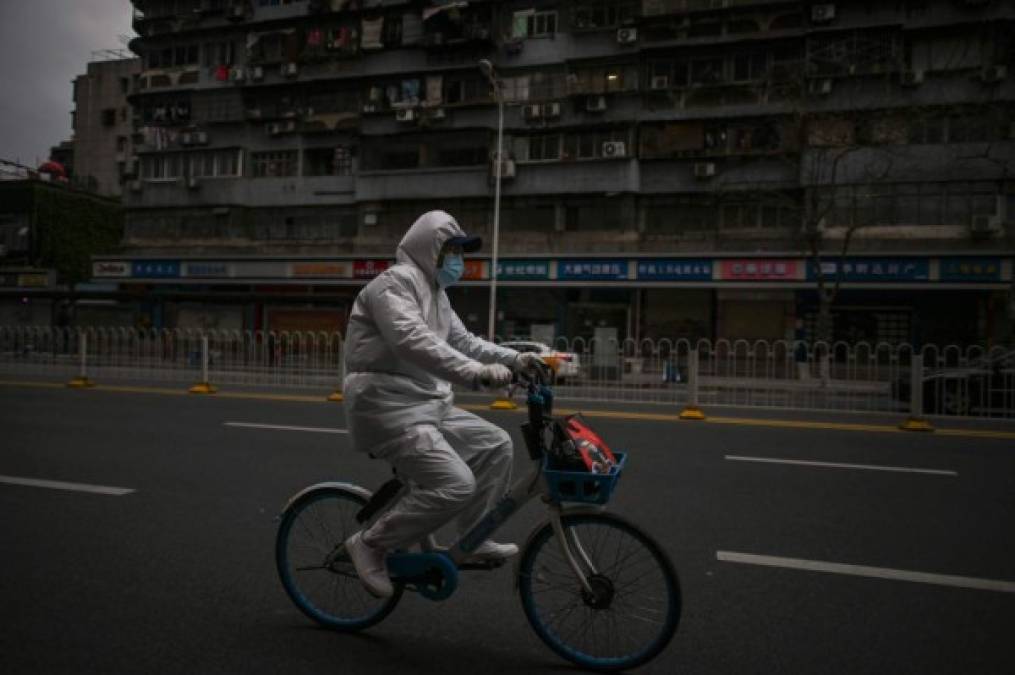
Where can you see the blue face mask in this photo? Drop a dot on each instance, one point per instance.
(451, 271)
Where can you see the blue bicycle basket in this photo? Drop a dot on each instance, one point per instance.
(568, 485)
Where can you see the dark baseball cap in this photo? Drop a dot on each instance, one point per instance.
(469, 244)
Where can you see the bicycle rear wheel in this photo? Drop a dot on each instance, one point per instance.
(633, 610)
(314, 568)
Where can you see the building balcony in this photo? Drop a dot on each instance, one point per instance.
(594, 176)
(252, 192)
(428, 183)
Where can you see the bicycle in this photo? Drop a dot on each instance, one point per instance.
(596, 589)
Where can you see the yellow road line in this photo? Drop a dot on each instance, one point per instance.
(606, 414)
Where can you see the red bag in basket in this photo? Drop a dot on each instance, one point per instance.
(595, 454)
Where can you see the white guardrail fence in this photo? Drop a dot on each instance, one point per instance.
(932, 380)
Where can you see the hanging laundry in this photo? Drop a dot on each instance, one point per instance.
(372, 34)
(314, 37)
(410, 91)
(392, 94)
(222, 73)
(434, 89)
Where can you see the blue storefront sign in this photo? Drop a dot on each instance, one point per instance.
(675, 269)
(156, 269)
(523, 270)
(592, 270)
(873, 269)
(970, 269)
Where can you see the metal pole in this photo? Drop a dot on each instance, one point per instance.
(83, 348)
(204, 359)
(496, 207)
(916, 421)
(691, 411)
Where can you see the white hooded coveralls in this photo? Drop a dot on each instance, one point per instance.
(404, 347)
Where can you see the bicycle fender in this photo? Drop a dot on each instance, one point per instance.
(575, 510)
(349, 487)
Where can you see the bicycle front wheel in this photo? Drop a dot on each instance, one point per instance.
(632, 611)
(314, 568)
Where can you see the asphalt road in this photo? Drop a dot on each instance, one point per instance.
(178, 576)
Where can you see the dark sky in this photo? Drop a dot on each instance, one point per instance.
(44, 44)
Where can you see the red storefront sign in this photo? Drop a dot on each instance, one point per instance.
(760, 269)
(368, 269)
(474, 269)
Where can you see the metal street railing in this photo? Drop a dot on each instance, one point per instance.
(970, 381)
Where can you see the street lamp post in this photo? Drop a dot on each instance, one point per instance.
(488, 71)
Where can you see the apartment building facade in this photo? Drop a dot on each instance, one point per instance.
(102, 123)
(670, 168)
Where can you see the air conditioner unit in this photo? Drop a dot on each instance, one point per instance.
(992, 74)
(237, 74)
(551, 109)
(704, 169)
(595, 103)
(911, 78)
(257, 73)
(290, 69)
(822, 13)
(614, 149)
(135, 186)
(405, 115)
(438, 114)
(660, 82)
(186, 138)
(193, 183)
(819, 87)
(200, 138)
(237, 12)
(274, 129)
(985, 225)
(531, 112)
(626, 36)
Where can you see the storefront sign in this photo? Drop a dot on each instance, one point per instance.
(156, 269)
(474, 270)
(760, 269)
(368, 269)
(970, 269)
(675, 270)
(874, 269)
(34, 280)
(207, 269)
(523, 270)
(111, 268)
(321, 269)
(592, 270)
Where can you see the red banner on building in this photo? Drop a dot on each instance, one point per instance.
(761, 269)
(368, 269)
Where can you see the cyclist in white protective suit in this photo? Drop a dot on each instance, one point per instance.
(404, 347)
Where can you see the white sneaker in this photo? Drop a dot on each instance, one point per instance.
(491, 551)
(370, 566)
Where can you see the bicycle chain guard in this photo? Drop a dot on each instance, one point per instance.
(434, 575)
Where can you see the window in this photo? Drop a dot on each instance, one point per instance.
(530, 23)
(594, 215)
(391, 32)
(593, 16)
(544, 147)
(109, 117)
(161, 167)
(124, 85)
(215, 163)
(707, 71)
(749, 67)
(327, 161)
(589, 144)
(121, 143)
(274, 164)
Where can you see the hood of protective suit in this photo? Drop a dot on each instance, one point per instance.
(422, 243)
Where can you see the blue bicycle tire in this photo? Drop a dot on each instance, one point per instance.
(332, 531)
(542, 569)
